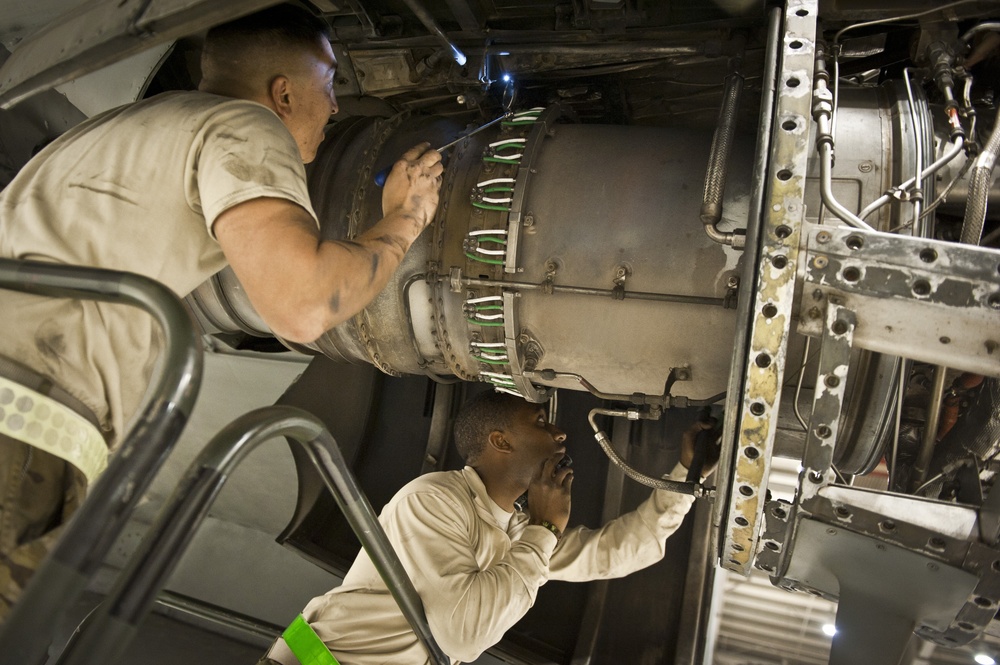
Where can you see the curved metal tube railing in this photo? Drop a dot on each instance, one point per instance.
(102, 516)
(113, 625)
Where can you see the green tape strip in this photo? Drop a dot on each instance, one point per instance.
(306, 645)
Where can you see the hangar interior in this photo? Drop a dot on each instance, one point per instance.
(782, 215)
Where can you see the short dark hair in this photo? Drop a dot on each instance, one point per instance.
(281, 26)
(482, 414)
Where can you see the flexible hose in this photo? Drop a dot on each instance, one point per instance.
(641, 478)
(722, 147)
(979, 188)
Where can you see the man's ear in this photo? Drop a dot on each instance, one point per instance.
(498, 442)
(280, 94)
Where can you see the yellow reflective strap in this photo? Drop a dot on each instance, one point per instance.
(306, 645)
(42, 422)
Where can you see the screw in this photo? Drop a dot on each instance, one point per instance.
(866, 167)
(529, 219)
(818, 294)
(460, 99)
(831, 532)
(820, 262)
(733, 281)
(814, 313)
(823, 237)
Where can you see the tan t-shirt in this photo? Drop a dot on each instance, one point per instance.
(135, 189)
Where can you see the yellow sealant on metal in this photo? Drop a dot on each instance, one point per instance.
(48, 425)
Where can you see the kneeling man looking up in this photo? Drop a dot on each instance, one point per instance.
(477, 563)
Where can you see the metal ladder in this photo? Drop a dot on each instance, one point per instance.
(103, 637)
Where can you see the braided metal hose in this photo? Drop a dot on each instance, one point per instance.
(979, 188)
(641, 478)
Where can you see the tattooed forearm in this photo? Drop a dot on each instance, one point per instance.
(392, 241)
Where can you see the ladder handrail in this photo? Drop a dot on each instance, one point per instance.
(103, 638)
(99, 521)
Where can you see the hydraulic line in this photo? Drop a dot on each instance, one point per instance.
(979, 188)
(992, 26)
(718, 160)
(918, 139)
(428, 20)
(930, 428)
(582, 290)
(656, 483)
(822, 114)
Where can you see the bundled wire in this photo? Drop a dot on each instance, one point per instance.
(502, 186)
(503, 383)
(500, 151)
(486, 311)
(522, 118)
(473, 246)
(491, 353)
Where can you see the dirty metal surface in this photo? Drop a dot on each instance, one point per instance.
(772, 311)
(930, 300)
(831, 382)
(97, 34)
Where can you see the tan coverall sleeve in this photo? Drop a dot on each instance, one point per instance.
(468, 607)
(625, 544)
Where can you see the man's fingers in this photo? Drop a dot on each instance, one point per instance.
(564, 476)
(416, 151)
(548, 467)
(430, 158)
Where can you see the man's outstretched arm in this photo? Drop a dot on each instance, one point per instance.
(301, 285)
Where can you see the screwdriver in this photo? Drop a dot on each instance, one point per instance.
(381, 176)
